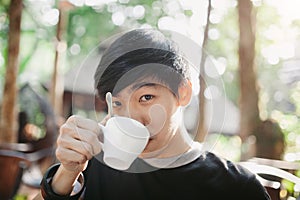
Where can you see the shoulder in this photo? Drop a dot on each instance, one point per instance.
(217, 171)
(219, 166)
(230, 176)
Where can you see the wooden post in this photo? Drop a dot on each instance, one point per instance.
(248, 103)
(56, 88)
(202, 129)
(8, 125)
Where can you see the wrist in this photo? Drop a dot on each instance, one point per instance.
(55, 185)
(74, 167)
(63, 180)
(72, 173)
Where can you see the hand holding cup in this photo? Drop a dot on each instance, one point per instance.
(78, 142)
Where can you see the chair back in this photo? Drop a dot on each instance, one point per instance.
(271, 172)
(12, 164)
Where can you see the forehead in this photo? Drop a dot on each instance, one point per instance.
(145, 83)
(120, 78)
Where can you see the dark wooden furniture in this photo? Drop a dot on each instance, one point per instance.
(14, 159)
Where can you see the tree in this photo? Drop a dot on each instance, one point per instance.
(56, 89)
(248, 101)
(8, 112)
(269, 137)
(202, 129)
(248, 87)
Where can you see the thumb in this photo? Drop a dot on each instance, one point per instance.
(105, 119)
(103, 123)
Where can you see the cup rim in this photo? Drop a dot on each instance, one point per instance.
(128, 133)
(111, 142)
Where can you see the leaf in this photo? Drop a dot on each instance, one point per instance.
(188, 13)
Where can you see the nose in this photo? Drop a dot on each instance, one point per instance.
(134, 112)
(140, 115)
(158, 118)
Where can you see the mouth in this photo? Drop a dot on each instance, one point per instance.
(150, 139)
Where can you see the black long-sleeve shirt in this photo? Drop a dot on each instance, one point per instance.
(206, 177)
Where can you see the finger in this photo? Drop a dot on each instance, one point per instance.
(67, 129)
(84, 123)
(103, 123)
(105, 119)
(90, 138)
(68, 156)
(73, 131)
(69, 132)
(81, 147)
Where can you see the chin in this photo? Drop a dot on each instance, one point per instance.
(148, 146)
(151, 150)
(147, 150)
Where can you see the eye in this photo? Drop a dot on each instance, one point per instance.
(116, 103)
(146, 98)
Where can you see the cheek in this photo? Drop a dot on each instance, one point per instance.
(158, 117)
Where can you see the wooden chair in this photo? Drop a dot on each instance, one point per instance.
(13, 162)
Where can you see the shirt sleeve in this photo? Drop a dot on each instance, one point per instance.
(253, 189)
(48, 193)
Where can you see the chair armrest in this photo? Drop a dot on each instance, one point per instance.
(269, 170)
(287, 165)
(39, 154)
(22, 147)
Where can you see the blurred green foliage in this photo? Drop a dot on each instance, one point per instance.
(279, 92)
(20, 197)
(87, 26)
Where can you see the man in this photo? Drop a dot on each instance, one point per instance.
(150, 82)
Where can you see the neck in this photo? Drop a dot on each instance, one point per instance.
(179, 144)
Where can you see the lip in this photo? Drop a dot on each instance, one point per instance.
(152, 137)
(150, 141)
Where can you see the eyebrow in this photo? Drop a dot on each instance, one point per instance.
(143, 84)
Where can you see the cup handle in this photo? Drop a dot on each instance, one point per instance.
(101, 136)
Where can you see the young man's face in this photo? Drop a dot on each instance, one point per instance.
(154, 105)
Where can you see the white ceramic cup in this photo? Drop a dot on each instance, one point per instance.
(124, 140)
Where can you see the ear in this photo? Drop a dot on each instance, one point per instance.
(185, 93)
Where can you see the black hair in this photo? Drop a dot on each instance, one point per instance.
(136, 55)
